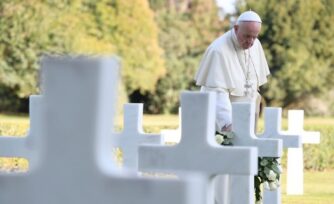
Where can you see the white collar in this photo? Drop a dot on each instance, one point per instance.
(235, 40)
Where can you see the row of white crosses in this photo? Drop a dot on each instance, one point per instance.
(244, 127)
(133, 128)
(68, 145)
(73, 146)
(292, 141)
(90, 88)
(198, 151)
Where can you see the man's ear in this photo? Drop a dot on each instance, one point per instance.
(236, 28)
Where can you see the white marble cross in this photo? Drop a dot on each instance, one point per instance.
(198, 151)
(243, 120)
(74, 157)
(295, 158)
(132, 136)
(172, 136)
(272, 129)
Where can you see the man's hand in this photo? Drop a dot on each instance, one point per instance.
(227, 128)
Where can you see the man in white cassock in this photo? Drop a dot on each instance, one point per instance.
(233, 66)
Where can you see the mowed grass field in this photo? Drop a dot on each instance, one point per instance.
(318, 185)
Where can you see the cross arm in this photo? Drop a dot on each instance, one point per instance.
(213, 161)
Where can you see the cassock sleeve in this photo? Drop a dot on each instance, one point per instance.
(214, 72)
(223, 107)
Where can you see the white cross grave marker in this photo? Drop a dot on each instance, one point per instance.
(243, 120)
(74, 162)
(198, 151)
(272, 129)
(172, 136)
(295, 158)
(132, 136)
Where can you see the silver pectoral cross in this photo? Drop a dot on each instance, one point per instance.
(248, 89)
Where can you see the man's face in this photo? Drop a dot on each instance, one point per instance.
(247, 32)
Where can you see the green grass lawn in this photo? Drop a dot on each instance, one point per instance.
(318, 185)
(318, 189)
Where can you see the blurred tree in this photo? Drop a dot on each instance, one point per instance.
(156, 5)
(297, 38)
(29, 29)
(185, 32)
(33, 27)
(130, 26)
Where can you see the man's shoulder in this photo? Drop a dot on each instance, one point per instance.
(257, 42)
(257, 46)
(220, 43)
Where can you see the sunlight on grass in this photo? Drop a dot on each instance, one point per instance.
(13, 126)
(318, 189)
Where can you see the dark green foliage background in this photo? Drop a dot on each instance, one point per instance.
(31, 28)
(297, 36)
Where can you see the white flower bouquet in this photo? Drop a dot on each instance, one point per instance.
(269, 171)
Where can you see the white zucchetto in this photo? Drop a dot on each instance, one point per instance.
(249, 16)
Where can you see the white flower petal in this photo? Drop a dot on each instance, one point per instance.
(272, 186)
(266, 185)
(271, 176)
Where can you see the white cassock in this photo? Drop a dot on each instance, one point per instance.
(226, 68)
